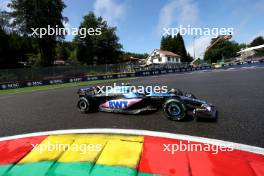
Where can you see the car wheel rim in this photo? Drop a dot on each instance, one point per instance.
(174, 109)
(83, 105)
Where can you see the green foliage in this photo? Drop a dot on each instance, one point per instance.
(67, 51)
(5, 51)
(15, 49)
(98, 49)
(28, 14)
(198, 62)
(73, 57)
(175, 45)
(222, 50)
(257, 41)
(127, 55)
(189, 58)
(4, 21)
(63, 50)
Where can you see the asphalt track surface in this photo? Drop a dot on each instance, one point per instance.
(238, 95)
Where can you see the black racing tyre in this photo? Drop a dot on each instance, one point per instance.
(174, 109)
(84, 105)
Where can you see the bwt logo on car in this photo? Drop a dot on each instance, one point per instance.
(118, 104)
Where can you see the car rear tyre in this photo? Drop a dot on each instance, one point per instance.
(83, 105)
(174, 109)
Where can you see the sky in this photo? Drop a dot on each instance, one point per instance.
(140, 23)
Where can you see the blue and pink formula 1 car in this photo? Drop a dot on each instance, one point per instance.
(176, 105)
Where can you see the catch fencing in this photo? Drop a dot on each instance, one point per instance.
(59, 72)
(28, 77)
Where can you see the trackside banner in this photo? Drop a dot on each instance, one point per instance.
(30, 83)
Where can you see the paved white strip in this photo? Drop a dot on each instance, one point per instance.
(248, 148)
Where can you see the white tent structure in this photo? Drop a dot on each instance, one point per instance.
(245, 53)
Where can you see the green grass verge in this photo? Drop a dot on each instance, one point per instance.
(56, 86)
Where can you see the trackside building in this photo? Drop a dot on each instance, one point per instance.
(163, 57)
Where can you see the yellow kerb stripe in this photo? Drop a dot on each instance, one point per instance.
(120, 153)
(85, 148)
(50, 149)
(122, 150)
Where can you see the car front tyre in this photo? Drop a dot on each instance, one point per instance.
(174, 109)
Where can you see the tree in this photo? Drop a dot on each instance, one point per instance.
(175, 45)
(189, 58)
(37, 14)
(166, 43)
(4, 49)
(98, 49)
(257, 41)
(63, 50)
(5, 21)
(127, 55)
(223, 50)
(180, 48)
(198, 61)
(13, 47)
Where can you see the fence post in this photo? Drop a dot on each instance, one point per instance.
(31, 74)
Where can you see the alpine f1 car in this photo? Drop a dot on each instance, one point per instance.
(120, 99)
